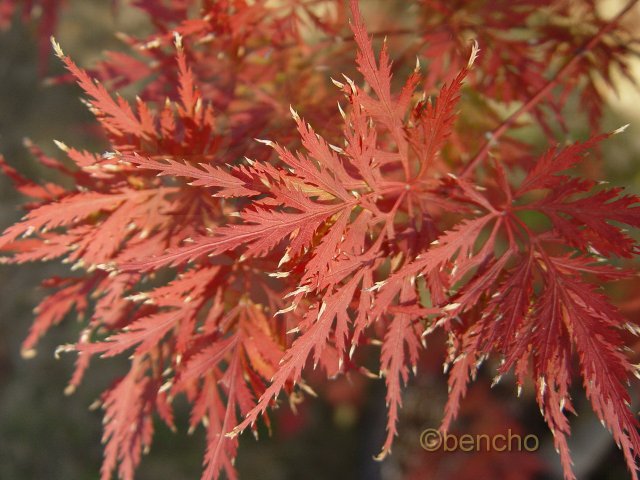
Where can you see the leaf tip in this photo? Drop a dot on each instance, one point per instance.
(337, 83)
(475, 49)
(382, 455)
(177, 40)
(62, 146)
(294, 114)
(56, 47)
(28, 353)
(620, 130)
(265, 142)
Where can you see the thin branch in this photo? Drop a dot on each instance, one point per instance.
(347, 38)
(533, 101)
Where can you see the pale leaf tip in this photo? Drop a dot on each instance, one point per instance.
(382, 455)
(62, 146)
(294, 114)
(285, 310)
(56, 47)
(177, 39)
(621, 129)
(451, 306)
(285, 258)
(475, 49)
(265, 142)
(60, 349)
(28, 353)
(337, 83)
(308, 389)
(351, 83)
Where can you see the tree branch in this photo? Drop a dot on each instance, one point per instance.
(533, 101)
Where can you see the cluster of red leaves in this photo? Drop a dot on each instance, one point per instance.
(224, 269)
(513, 67)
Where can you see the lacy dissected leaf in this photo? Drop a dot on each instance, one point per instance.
(395, 363)
(252, 346)
(117, 115)
(201, 175)
(128, 425)
(345, 279)
(545, 172)
(293, 246)
(53, 309)
(584, 221)
(69, 210)
(434, 124)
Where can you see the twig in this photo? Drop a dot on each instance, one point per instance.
(533, 101)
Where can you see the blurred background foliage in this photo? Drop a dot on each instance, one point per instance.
(47, 435)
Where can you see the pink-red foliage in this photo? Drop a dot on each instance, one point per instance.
(225, 266)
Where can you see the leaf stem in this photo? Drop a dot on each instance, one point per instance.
(535, 99)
